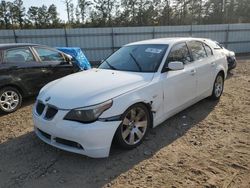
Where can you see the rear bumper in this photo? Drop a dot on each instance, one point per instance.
(93, 140)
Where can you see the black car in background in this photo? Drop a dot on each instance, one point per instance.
(26, 68)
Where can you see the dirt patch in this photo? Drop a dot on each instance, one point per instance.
(207, 145)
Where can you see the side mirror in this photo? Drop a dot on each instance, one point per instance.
(68, 58)
(175, 65)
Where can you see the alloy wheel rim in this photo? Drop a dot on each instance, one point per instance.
(9, 100)
(134, 126)
(218, 86)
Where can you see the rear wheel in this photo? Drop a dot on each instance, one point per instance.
(135, 124)
(10, 100)
(218, 87)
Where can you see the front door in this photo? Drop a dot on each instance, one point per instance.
(55, 61)
(179, 86)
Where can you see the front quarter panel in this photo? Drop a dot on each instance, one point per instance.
(150, 94)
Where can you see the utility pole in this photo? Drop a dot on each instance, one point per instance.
(224, 11)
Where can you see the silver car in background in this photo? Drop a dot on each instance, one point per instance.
(231, 59)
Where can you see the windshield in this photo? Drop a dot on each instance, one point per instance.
(219, 44)
(216, 45)
(136, 58)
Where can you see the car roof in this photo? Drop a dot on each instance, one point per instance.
(168, 41)
(14, 45)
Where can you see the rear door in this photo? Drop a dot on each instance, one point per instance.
(55, 61)
(204, 63)
(22, 66)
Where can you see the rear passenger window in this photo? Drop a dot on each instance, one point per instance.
(197, 50)
(18, 55)
(208, 50)
(179, 53)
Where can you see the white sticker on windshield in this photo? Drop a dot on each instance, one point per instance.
(153, 50)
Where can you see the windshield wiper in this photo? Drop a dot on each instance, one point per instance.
(136, 62)
(113, 68)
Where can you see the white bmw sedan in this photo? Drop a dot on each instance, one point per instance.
(135, 89)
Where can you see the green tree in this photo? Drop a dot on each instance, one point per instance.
(104, 10)
(148, 12)
(214, 11)
(72, 13)
(43, 17)
(53, 15)
(130, 11)
(67, 4)
(100, 13)
(5, 15)
(19, 12)
(33, 15)
(166, 15)
(84, 6)
(242, 11)
(77, 15)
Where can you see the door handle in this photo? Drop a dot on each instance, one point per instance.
(192, 72)
(44, 70)
(13, 67)
(213, 64)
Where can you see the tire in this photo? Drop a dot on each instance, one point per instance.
(218, 87)
(136, 121)
(10, 100)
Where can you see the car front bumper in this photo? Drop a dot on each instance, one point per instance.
(231, 62)
(93, 139)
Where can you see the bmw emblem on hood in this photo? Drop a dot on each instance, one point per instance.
(47, 99)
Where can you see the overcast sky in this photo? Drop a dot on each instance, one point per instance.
(59, 4)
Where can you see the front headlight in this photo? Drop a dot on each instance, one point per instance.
(88, 114)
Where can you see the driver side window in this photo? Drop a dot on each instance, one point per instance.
(47, 55)
(179, 52)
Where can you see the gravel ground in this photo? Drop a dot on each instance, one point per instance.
(207, 145)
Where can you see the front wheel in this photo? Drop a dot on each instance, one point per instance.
(135, 125)
(218, 87)
(10, 100)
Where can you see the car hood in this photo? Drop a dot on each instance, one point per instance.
(91, 87)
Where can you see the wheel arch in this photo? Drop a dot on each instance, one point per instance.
(223, 73)
(149, 107)
(221, 70)
(22, 92)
